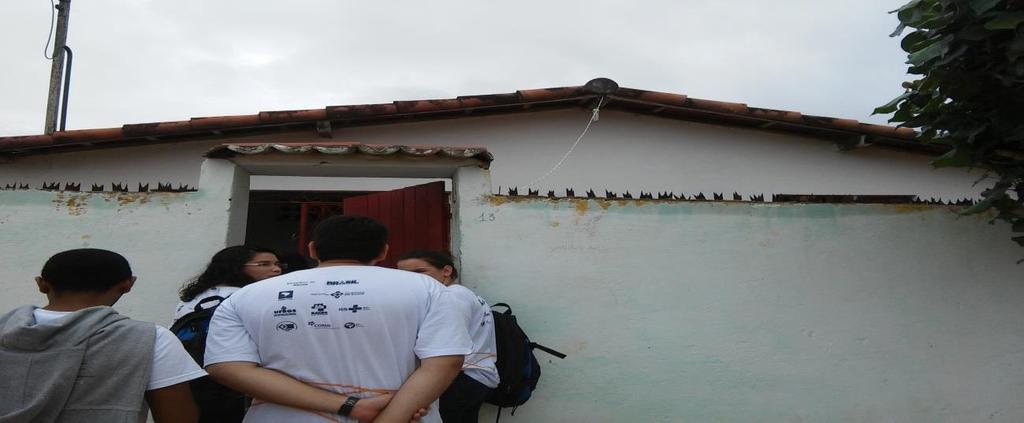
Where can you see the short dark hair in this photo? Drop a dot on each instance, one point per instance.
(85, 270)
(438, 259)
(349, 238)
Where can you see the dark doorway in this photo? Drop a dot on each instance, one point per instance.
(417, 217)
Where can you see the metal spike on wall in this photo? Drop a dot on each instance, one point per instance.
(513, 191)
(160, 187)
(591, 194)
(24, 186)
(718, 196)
(699, 197)
(55, 186)
(184, 188)
(646, 196)
(143, 188)
(533, 192)
(115, 187)
(736, 196)
(97, 188)
(11, 186)
(759, 197)
(569, 192)
(551, 194)
(666, 196)
(627, 195)
(68, 186)
(609, 194)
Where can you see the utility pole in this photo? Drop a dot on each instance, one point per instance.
(57, 69)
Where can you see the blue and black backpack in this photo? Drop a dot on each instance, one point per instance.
(517, 366)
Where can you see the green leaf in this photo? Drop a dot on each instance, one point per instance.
(979, 206)
(912, 3)
(1006, 21)
(890, 106)
(912, 41)
(899, 30)
(981, 6)
(934, 50)
(954, 157)
(974, 33)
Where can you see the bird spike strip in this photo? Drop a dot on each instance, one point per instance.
(570, 193)
(94, 187)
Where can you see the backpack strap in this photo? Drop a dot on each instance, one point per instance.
(217, 298)
(547, 350)
(502, 305)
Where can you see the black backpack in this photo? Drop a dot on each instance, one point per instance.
(191, 329)
(517, 366)
(216, 402)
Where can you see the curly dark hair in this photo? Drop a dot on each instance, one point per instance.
(225, 268)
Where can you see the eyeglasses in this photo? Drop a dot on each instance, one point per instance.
(278, 264)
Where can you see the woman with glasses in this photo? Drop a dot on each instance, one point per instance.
(228, 271)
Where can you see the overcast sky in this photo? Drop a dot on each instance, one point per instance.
(149, 60)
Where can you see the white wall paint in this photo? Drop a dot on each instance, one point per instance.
(167, 237)
(669, 311)
(621, 152)
(680, 312)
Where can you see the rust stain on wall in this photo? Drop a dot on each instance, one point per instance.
(75, 203)
(581, 206)
(126, 198)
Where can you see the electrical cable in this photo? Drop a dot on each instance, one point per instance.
(594, 116)
(53, 17)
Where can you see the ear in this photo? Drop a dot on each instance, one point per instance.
(311, 248)
(43, 285)
(446, 271)
(126, 285)
(380, 257)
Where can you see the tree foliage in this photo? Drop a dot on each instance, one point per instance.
(968, 56)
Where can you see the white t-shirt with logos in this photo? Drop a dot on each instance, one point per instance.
(479, 364)
(355, 330)
(186, 307)
(171, 363)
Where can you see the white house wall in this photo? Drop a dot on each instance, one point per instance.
(707, 312)
(621, 152)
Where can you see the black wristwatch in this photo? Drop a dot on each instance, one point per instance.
(347, 407)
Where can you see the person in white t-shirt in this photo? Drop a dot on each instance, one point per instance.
(344, 341)
(461, 402)
(228, 271)
(86, 362)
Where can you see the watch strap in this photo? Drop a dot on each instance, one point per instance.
(347, 407)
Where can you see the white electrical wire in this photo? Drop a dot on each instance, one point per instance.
(594, 116)
(50, 35)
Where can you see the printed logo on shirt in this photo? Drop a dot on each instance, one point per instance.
(318, 325)
(300, 283)
(352, 325)
(319, 310)
(352, 282)
(339, 294)
(285, 295)
(355, 308)
(284, 311)
(287, 326)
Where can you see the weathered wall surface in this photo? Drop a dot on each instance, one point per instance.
(621, 152)
(167, 237)
(703, 312)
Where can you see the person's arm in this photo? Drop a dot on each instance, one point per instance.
(279, 388)
(422, 387)
(172, 404)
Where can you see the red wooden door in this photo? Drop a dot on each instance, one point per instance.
(417, 217)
